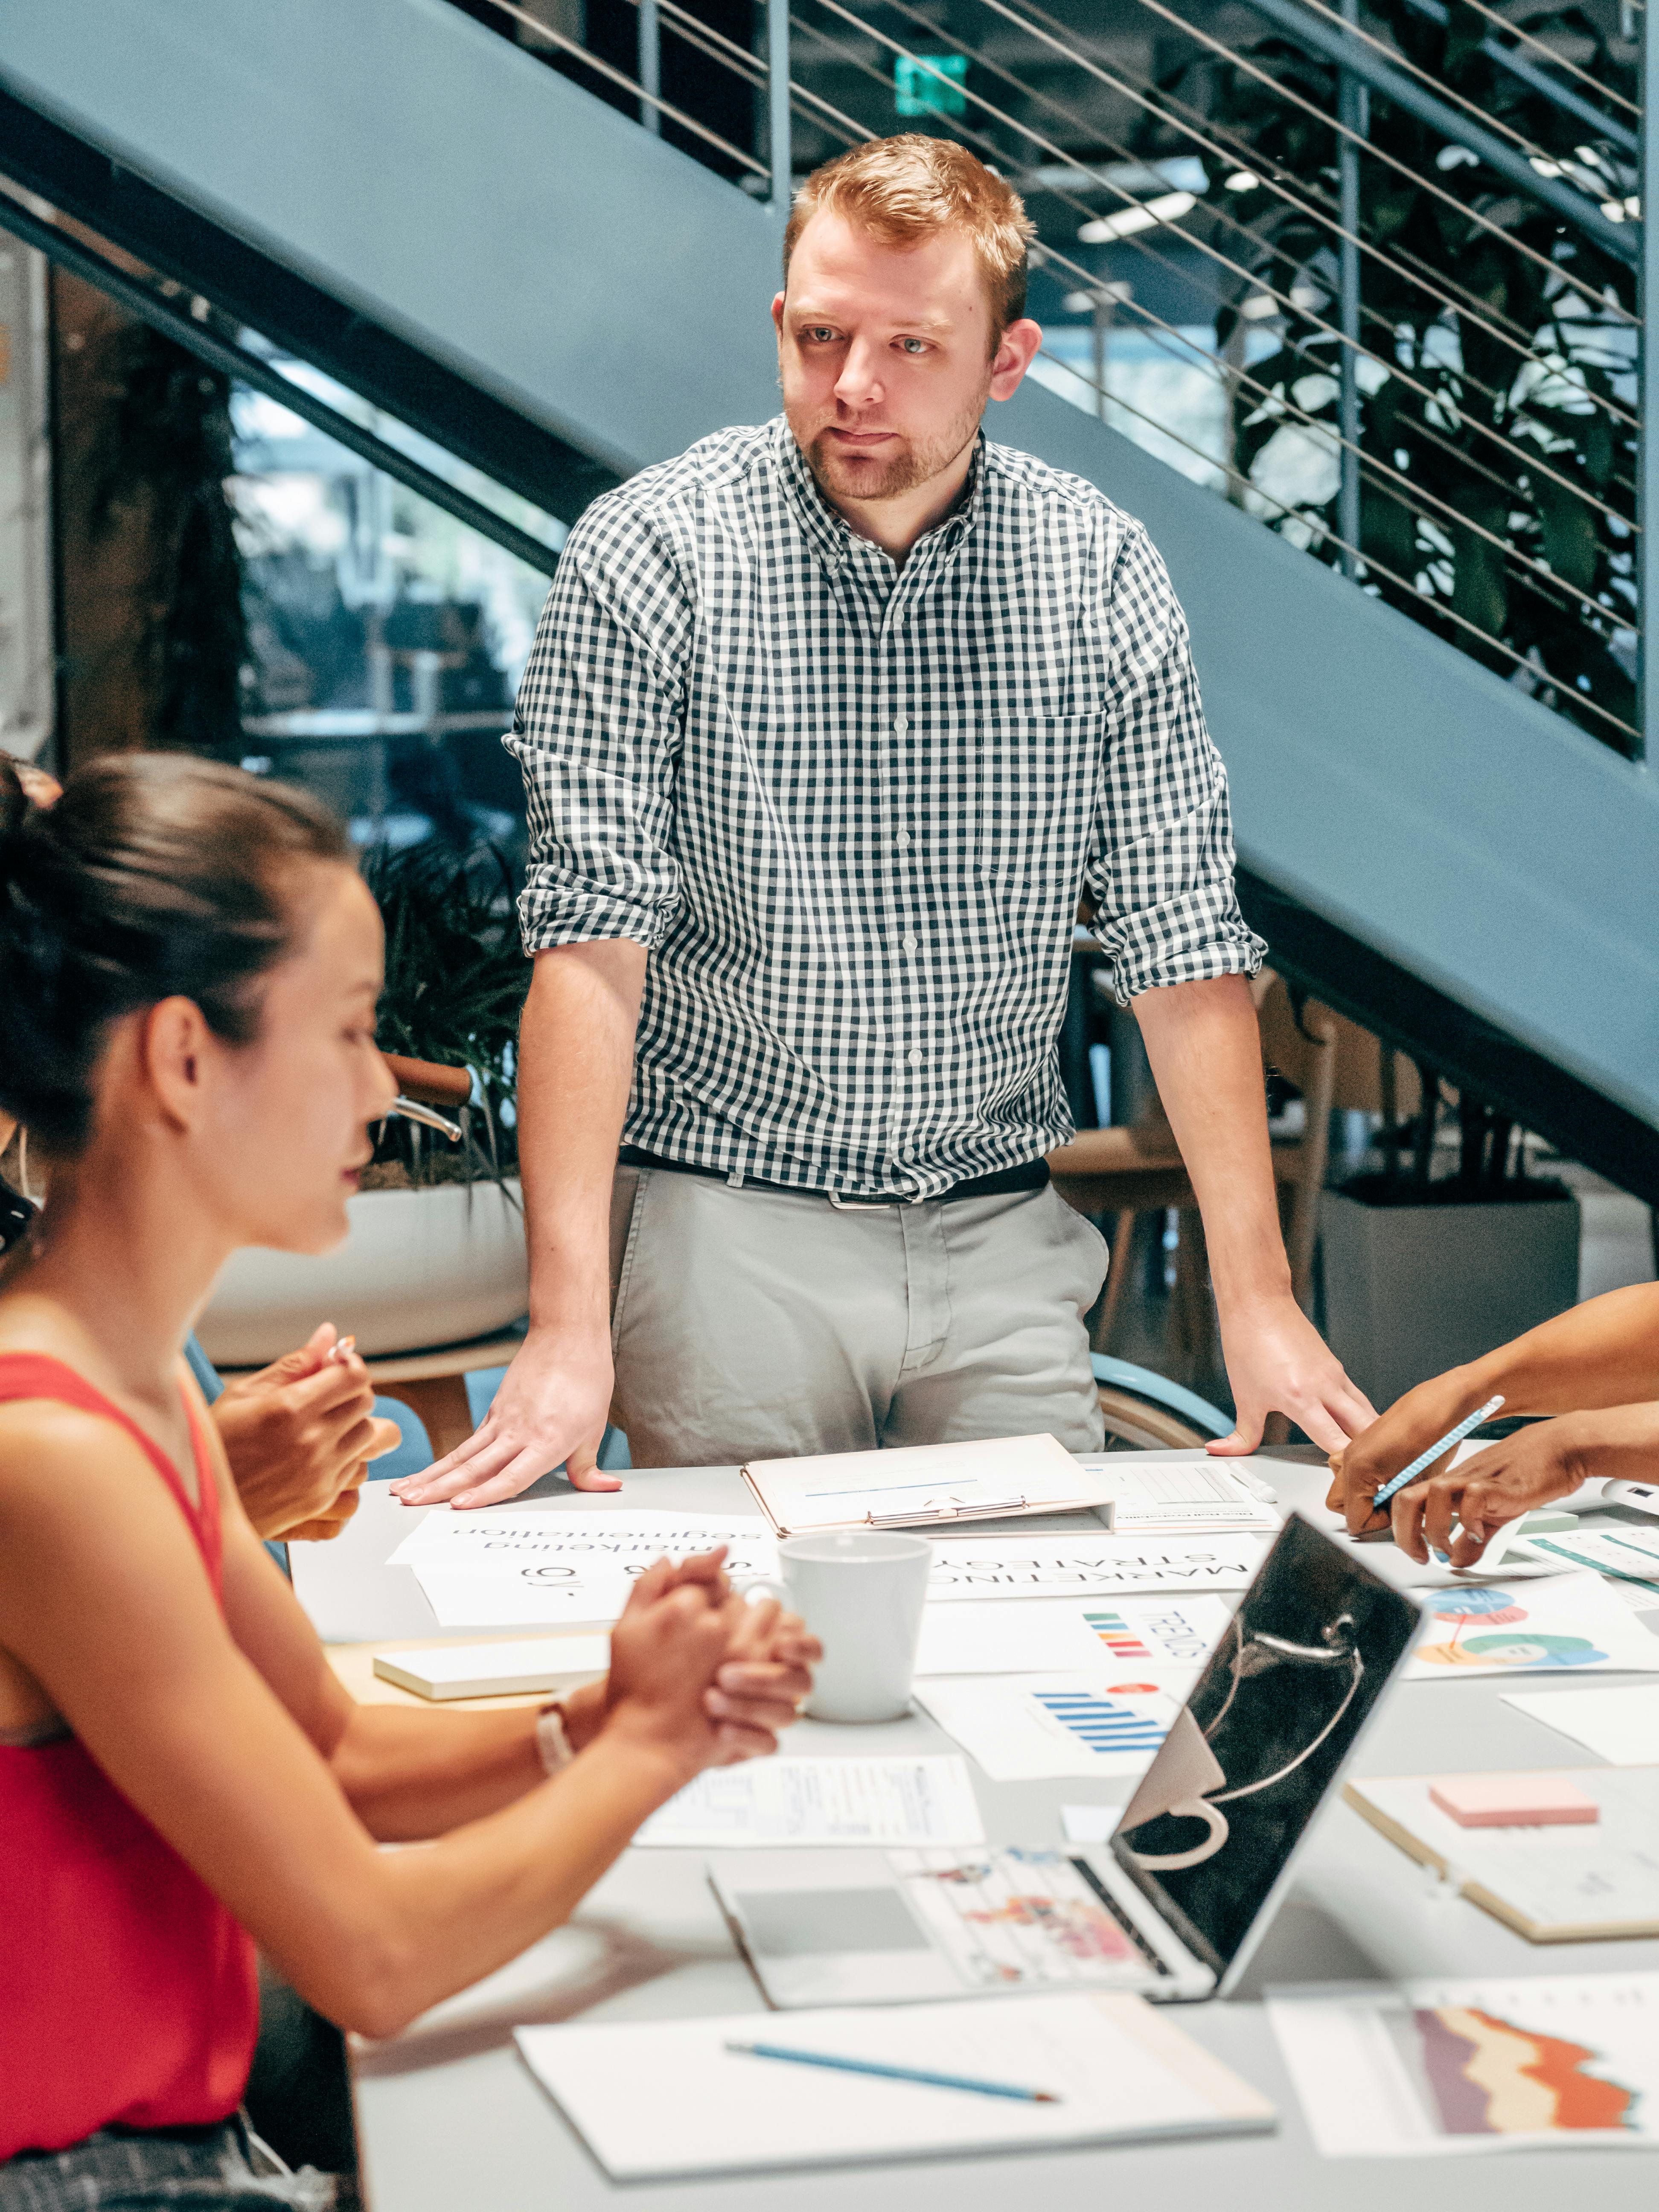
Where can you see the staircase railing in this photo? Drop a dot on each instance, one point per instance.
(1375, 274)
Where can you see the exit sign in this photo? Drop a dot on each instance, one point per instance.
(930, 84)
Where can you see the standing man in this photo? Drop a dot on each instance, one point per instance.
(828, 726)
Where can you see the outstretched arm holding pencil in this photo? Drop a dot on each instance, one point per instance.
(1593, 1368)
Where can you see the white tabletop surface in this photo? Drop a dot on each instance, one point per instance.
(450, 2119)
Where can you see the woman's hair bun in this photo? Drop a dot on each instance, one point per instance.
(153, 875)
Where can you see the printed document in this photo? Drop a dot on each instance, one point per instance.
(1091, 1564)
(1026, 1727)
(510, 1568)
(1161, 1493)
(1570, 1623)
(928, 1800)
(1558, 2062)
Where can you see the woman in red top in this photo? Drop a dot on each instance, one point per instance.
(189, 970)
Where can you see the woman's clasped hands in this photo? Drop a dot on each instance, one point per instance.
(698, 1674)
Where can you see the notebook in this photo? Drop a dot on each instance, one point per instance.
(658, 2100)
(1554, 1885)
(923, 1485)
(496, 1670)
(1172, 1906)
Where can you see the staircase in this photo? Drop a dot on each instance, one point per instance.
(496, 252)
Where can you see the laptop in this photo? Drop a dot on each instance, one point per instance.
(1174, 1904)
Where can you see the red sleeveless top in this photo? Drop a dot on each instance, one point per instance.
(127, 1992)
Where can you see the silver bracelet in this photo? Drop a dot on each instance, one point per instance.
(553, 1738)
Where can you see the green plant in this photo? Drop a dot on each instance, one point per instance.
(456, 977)
(1487, 319)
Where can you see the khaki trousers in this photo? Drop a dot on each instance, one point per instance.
(751, 1323)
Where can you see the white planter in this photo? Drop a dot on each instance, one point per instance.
(419, 1268)
(1411, 1291)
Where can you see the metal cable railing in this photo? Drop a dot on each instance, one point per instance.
(1425, 504)
(1461, 442)
(1139, 244)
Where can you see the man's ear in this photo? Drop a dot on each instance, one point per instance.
(777, 312)
(1016, 350)
(173, 1042)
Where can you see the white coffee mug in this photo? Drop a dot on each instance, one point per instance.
(861, 1592)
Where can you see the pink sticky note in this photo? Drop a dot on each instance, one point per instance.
(1513, 1800)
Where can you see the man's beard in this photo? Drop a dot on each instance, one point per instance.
(842, 476)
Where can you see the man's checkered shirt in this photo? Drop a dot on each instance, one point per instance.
(852, 810)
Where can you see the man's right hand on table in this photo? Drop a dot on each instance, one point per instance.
(549, 1411)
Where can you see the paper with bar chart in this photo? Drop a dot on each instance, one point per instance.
(1028, 1728)
(1555, 2060)
(1157, 1640)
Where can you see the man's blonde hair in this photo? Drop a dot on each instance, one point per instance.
(906, 189)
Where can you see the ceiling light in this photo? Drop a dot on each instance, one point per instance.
(1258, 306)
(1243, 181)
(1169, 206)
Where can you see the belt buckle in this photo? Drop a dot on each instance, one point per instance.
(861, 1204)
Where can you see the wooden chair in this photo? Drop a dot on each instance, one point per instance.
(1129, 1171)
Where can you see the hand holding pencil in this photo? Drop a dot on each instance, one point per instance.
(1398, 1478)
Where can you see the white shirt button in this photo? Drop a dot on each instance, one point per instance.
(915, 1055)
(903, 839)
(909, 942)
(900, 726)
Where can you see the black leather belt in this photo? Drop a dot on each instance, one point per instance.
(1006, 1182)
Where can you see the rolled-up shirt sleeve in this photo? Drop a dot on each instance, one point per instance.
(1161, 877)
(597, 731)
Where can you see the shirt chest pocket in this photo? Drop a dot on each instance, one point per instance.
(1032, 799)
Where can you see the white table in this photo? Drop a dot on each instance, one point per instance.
(450, 2120)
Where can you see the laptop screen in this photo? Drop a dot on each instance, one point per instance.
(1262, 1736)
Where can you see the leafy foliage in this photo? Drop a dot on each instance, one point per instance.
(163, 450)
(1498, 438)
(456, 977)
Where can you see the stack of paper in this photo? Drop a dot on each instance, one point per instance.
(1156, 1493)
(655, 2099)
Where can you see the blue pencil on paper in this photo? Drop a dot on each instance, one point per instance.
(893, 2073)
(1428, 1458)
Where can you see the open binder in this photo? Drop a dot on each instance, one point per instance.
(925, 1487)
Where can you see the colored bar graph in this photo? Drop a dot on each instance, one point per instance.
(1115, 1633)
(1101, 1723)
